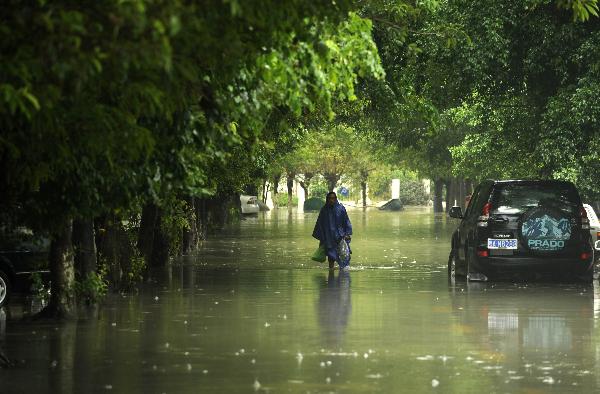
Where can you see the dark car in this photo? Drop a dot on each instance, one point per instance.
(22, 253)
(522, 227)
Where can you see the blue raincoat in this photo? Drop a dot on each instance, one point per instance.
(332, 225)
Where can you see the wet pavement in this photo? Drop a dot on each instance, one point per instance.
(252, 312)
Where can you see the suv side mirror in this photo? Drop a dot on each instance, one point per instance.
(597, 245)
(456, 212)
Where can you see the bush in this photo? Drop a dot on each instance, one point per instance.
(313, 204)
(281, 200)
(412, 192)
(94, 287)
(318, 190)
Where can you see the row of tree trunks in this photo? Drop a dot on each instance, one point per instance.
(457, 190)
(76, 245)
(114, 248)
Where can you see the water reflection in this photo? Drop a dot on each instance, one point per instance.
(334, 307)
(252, 308)
(2, 323)
(530, 320)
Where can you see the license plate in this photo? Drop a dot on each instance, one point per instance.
(501, 243)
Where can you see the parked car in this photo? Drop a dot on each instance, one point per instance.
(22, 253)
(249, 204)
(594, 228)
(522, 227)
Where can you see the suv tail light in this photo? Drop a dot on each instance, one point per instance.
(585, 256)
(482, 220)
(585, 222)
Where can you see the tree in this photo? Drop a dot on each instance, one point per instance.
(138, 102)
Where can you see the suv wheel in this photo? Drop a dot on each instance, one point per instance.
(4, 288)
(473, 276)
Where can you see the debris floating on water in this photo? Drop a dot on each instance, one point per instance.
(425, 358)
(435, 383)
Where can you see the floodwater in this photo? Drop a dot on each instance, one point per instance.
(252, 313)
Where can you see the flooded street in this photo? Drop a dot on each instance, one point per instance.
(252, 312)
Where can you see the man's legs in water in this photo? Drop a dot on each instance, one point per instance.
(331, 262)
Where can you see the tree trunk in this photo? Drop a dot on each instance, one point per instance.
(438, 188)
(62, 303)
(304, 186)
(201, 218)
(456, 193)
(305, 183)
(276, 179)
(290, 189)
(84, 245)
(146, 231)
(363, 187)
(265, 190)
(108, 249)
(190, 235)
(159, 257)
(332, 180)
(449, 193)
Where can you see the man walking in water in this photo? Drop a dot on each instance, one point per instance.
(333, 226)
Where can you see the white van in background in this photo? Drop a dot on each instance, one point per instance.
(249, 204)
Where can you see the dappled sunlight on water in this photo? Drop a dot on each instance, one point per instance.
(252, 312)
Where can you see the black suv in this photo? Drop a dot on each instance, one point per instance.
(531, 227)
(22, 253)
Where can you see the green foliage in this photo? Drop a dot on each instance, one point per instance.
(138, 268)
(582, 9)
(314, 204)
(174, 220)
(38, 287)
(318, 190)
(538, 117)
(145, 100)
(468, 87)
(412, 190)
(94, 287)
(281, 200)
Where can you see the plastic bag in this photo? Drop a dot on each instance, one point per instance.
(320, 254)
(343, 251)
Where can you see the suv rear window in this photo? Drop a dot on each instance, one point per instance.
(516, 198)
